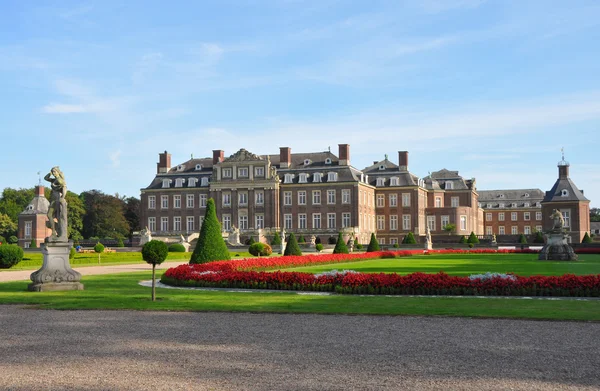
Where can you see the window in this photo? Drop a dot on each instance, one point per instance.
(203, 199)
(445, 220)
(289, 178)
(287, 198)
(301, 198)
(501, 230)
(243, 221)
(226, 222)
(564, 193)
(226, 199)
(152, 224)
(488, 217)
(538, 228)
(394, 181)
(380, 223)
(259, 221)
(204, 181)
(380, 200)
(164, 202)
(259, 197)
(513, 205)
(489, 231)
(345, 196)
(151, 202)
(382, 241)
(454, 202)
(243, 172)
(192, 182)
(330, 220)
(513, 216)
(526, 216)
(463, 223)
(393, 222)
(406, 222)
(393, 241)
(331, 197)
(189, 201)
(166, 183)
(177, 223)
(567, 216)
(345, 220)
(405, 199)
(538, 215)
(302, 178)
(316, 224)
(28, 230)
(526, 205)
(431, 223)
(243, 199)
(302, 221)
(438, 202)
(328, 161)
(177, 201)
(259, 171)
(332, 177)
(287, 221)
(179, 182)
(227, 173)
(489, 206)
(393, 200)
(501, 205)
(449, 186)
(164, 224)
(514, 230)
(317, 176)
(527, 230)
(190, 224)
(380, 181)
(316, 197)
(198, 167)
(501, 216)
(307, 162)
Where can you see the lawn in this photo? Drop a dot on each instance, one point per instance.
(466, 264)
(122, 291)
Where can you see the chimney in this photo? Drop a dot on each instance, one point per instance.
(40, 191)
(563, 170)
(285, 157)
(218, 156)
(344, 154)
(164, 163)
(403, 160)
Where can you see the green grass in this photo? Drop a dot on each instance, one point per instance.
(121, 291)
(466, 264)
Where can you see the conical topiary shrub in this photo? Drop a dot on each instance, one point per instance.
(210, 245)
(373, 244)
(586, 238)
(291, 247)
(522, 239)
(463, 239)
(539, 237)
(340, 246)
(276, 241)
(409, 239)
(473, 238)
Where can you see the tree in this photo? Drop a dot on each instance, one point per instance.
(154, 252)
(539, 237)
(595, 214)
(76, 212)
(210, 245)
(473, 238)
(99, 248)
(522, 239)
(373, 244)
(132, 214)
(340, 246)
(13, 202)
(462, 239)
(276, 241)
(7, 226)
(104, 217)
(450, 228)
(409, 239)
(586, 238)
(291, 247)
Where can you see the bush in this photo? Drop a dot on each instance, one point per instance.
(176, 248)
(359, 246)
(72, 252)
(13, 240)
(462, 239)
(155, 252)
(99, 247)
(120, 242)
(276, 241)
(10, 255)
(250, 241)
(210, 245)
(2, 240)
(473, 238)
(33, 244)
(373, 244)
(471, 245)
(260, 249)
(396, 245)
(522, 239)
(409, 239)
(302, 240)
(292, 248)
(539, 237)
(332, 240)
(586, 238)
(319, 247)
(340, 246)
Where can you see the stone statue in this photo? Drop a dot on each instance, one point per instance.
(428, 243)
(313, 241)
(145, 236)
(283, 242)
(57, 211)
(494, 239)
(234, 236)
(559, 220)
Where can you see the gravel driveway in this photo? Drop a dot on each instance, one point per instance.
(128, 350)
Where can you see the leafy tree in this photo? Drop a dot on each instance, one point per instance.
(33, 244)
(132, 214)
(104, 215)
(373, 244)
(291, 247)
(276, 241)
(450, 228)
(13, 202)
(210, 245)
(7, 226)
(595, 214)
(340, 246)
(99, 248)
(473, 238)
(539, 237)
(13, 240)
(586, 238)
(76, 212)
(260, 249)
(409, 239)
(154, 252)
(522, 239)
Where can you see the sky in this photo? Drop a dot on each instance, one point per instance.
(493, 89)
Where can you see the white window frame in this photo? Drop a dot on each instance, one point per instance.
(444, 221)
(259, 221)
(177, 223)
(454, 202)
(302, 197)
(406, 223)
(164, 224)
(380, 200)
(526, 216)
(431, 222)
(330, 197)
(514, 230)
(177, 201)
(406, 200)
(488, 217)
(287, 221)
(501, 216)
(203, 200)
(346, 196)
(393, 200)
(393, 222)
(438, 202)
(463, 223)
(316, 220)
(316, 197)
(331, 217)
(227, 172)
(190, 224)
(164, 202)
(287, 198)
(259, 197)
(226, 200)
(242, 172)
(189, 201)
(151, 202)
(302, 221)
(259, 172)
(243, 221)
(514, 216)
(346, 220)
(538, 216)
(501, 230)
(243, 198)
(226, 223)
(152, 224)
(332, 177)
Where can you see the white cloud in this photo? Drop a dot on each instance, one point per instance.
(60, 108)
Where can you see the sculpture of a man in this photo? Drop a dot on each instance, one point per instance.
(57, 211)
(559, 220)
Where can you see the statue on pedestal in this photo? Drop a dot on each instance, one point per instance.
(559, 220)
(428, 243)
(313, 241)
(283, 242)
(234, 236)
(145, 236)
(557, 246)
(57, 212)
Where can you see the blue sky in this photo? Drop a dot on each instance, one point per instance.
(493, 89)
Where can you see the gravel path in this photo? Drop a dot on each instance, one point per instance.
(128, 350)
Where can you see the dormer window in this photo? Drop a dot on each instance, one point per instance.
(332, 177)
(564, 193)
(538, 204)
(307, 162)
(526, 195)
(180, 167)
(513, 205)
(501, 195)
(501, 205)
(449, 186)
(179, 182)
(328, 161)
(526, 205)
(317, 176)
(29, 207)
(380, 181)
(166, 183)
(302, 178)
(198, 167)
(204, 181)
(366, 179)
(381, 167)
(259, 172)
(243, 172)
(289, 178)
(489, 206)
(192, 182)
(394, 181)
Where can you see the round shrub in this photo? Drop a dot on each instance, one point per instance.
(99, 247)
(176, 248)
(260, 249)
(471, 245)
(155, 252)
(10, 255)
(319, 247)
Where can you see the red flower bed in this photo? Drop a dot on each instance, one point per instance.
(249, 273)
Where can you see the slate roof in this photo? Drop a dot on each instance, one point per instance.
(572, 192)
(388, 170)
(39, 205)
(447, 180)
(493, 198)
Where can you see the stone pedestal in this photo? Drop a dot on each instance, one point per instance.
(56, 273)
(557, 248)
(428, 245)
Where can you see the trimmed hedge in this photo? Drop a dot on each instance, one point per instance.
(340, 246)
(210, 245)
(260, 249)
(373, 244)
(155, 252)
(291, 247)
(176, 248)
